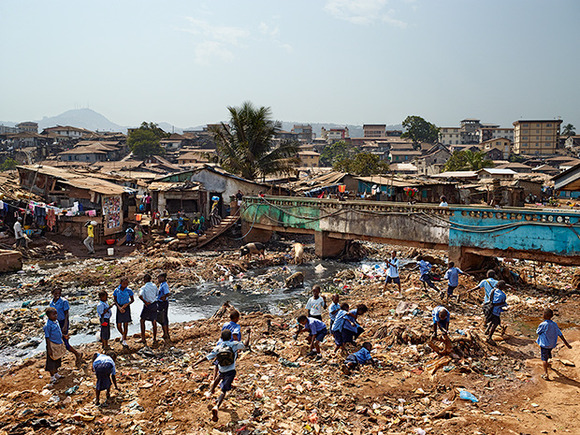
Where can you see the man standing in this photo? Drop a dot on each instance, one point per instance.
(19, 234)
(90, 240)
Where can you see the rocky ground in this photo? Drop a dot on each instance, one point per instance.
(280, 390)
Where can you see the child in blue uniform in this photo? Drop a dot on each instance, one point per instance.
(54, 344)
(548, 333)
(123, 297)
(452, 275)
(316, 332)
(226, 353)
(337, 325)
(104, 313)
(441, 321)
(334, 308)
(360, 357)
(498, 298)
(62, 308)
(104, 368)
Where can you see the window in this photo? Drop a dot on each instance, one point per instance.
(548, 125)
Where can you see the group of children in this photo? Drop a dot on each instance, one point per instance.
(155, 309)
(451, 275)
(344, 328)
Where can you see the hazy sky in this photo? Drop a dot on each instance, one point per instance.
(343, 61)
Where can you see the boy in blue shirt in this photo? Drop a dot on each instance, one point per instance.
(334, 308)
(351, 329)
(487, 285)
(393, 272)
(123, 297)
(62, 307)
(316, 332)
(163, 305)
(425, 273)
(360, 357)
(104, 313)
(226, 354)
(452, 275)
(236, 331)
(548, 333)
(498, 299)
(54, 344)
(104, 368)
(337, 325)
(440, 321)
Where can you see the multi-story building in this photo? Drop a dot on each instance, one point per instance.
(304, 131)
(68, 131)
(27, 127)
(334, 134)
(374, 130)
(309, 159)
(536, 137)
(489, 132)
(5, 129)
(501, 143)
(450, 136)
(472, 131)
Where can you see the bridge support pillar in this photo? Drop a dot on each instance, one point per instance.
(464, 260)
(326, 246)
(256, 234)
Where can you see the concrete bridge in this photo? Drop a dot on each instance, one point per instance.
(467, 232)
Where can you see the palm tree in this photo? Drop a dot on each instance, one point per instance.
(245, 146)
(568, 130)
(477, 160)
(468, 160)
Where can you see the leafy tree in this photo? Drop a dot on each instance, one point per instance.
(144, 141)
(245, 144)
(467, 161)
(362, 164)
(568, 130)
(8, 164)
(419, 130)
(336, 152)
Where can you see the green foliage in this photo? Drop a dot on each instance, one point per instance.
(8, 164)
(568, 130)
(467, 161)
(362, 164)
(336, 152)
(144, 141)
(245, 144)
(419, 130)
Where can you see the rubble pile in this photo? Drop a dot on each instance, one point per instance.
(420, 385)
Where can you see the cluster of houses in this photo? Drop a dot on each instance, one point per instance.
(71, 174)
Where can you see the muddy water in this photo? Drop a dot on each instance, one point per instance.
(250, 292)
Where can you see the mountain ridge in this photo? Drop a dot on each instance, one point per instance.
(94, 121)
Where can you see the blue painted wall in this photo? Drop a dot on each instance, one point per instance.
(546, 231)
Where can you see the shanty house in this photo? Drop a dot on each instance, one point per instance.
(79, 197)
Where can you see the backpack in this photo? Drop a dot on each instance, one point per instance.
(225, 355)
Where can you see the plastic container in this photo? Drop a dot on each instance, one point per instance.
(110, 251)
(110, 241)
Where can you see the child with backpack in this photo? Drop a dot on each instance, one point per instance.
(226, 354)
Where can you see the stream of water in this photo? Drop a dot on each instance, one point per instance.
(187, 304)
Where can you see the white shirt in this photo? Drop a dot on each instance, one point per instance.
(315, 306)
(149, 292)
(18, 234)
(443, 204)
(393, 271)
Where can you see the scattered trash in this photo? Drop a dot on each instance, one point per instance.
(466, 395)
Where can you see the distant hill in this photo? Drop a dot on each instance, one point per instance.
(81, 118)
(91, 120)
